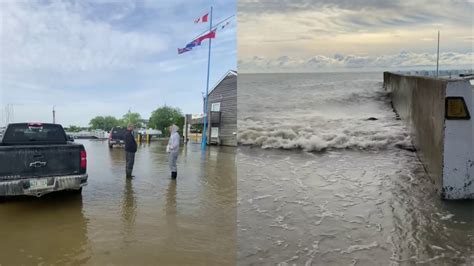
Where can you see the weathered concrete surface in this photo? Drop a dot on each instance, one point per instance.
(420, 102)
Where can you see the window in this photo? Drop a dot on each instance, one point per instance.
(214, 132)
(216, 107)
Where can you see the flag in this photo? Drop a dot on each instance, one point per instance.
(202, 19)
(188, 47)
(210, 35)
(197, 42)
(183, 50)
(192, 44)
(225, 25)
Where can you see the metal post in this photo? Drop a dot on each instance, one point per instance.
(54, 116)
(204, 130)
(437, 58)
(185, 129)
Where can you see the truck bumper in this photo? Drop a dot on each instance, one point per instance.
(52, 184)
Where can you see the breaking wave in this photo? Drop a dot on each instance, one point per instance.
(331, 134)
(317, 115)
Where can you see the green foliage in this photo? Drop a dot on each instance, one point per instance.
(164, 117)
(197, 128)
(133, 118)
(73, 128)
(104, 122)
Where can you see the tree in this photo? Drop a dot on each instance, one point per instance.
(73, 128)
(104, 122)
(197, 128)
(164, 117)
(133, 118)
(97, 122)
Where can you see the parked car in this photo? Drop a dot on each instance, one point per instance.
(36, 159)
(117, 136)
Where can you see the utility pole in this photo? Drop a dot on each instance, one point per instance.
(8, 115)
(437, 58)
(54, 115)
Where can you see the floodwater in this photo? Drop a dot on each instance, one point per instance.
(320, 184)
(148, 220)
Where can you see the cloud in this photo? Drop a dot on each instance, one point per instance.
(419, 8)
(319, 63)
(302, 28)
(350, 16)
(104, 57)
(56, 37)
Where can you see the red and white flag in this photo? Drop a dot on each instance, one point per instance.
(202, 19)
(210, 35)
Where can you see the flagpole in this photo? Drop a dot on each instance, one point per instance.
(204, 130)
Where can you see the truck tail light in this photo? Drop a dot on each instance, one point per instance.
(83, 160)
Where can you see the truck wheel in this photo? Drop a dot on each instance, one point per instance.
(111, 146)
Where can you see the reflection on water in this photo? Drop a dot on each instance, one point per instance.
(147, 220)
(51, 229)
(129, 211)
(170, 210)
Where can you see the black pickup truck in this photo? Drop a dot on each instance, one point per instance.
(38, 158)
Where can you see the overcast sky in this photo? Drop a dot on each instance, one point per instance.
(353, 35)
(93, 58)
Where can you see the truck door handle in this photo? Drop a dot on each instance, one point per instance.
(38, 164)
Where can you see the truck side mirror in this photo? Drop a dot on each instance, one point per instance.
(70, 138)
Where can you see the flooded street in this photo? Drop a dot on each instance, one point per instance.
(148, 220)
(319, 183)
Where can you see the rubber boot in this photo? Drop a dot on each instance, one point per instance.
(174, 175)
(129, 174)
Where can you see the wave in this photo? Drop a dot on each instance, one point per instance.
(325, 135)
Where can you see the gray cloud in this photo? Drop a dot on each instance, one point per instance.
(286, 6)
(367, 13)
(56, 37)
(272, 6)
(401, 60)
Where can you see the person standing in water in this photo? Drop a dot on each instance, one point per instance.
(172, 149)
(130, 150)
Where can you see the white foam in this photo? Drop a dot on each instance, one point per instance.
(436, 247)
(321, 116)
(355, 248)
(327, 134)
(446, 217)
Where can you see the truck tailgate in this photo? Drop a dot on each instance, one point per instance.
(39, 161)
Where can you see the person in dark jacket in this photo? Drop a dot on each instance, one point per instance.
(130, 150)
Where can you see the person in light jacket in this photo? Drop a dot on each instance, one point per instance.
(173, 149)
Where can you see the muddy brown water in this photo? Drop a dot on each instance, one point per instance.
(322, 184)
(149, 220)
(346, 208)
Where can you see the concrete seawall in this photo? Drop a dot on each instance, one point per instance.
(443, 142)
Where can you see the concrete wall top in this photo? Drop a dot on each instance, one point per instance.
(442, 74)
